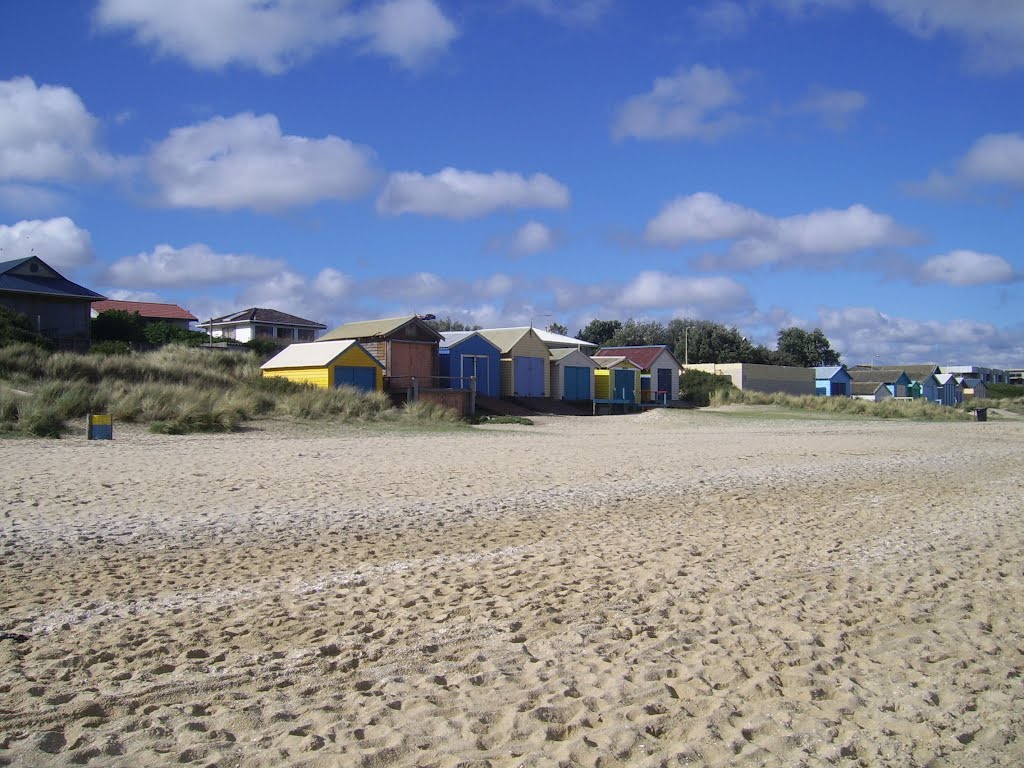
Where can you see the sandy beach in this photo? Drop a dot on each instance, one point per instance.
(673, 588)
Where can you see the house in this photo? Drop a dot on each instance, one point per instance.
(465, 354)
(896, 380)
(659, 370)
(524, 361)
(616, 378)
(755, 377)
(572, 375)
(406, 346)
(261, 323)
(327, 365)
(987, 375)
(55, 306)
(150, 312)
(875, 391)
(950, 391)
(832, 381)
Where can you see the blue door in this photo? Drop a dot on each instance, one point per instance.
(529, 373)
(625, 385)
(359, 377)
(577, 383)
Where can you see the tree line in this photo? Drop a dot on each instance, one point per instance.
(702, 341)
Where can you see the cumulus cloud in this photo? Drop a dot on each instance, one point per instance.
(47, 134)
(658, 290)
(245, 161)
(761, 240)
(530, 239)
(59, 242)
(834, 107)
(456, 194)
(966, 268)
(197, 264)
(993, 160)
(693, 104)
(272, 35)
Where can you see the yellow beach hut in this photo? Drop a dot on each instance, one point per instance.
(328, 364)
(617, 378)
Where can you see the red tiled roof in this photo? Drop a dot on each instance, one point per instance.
(146, 309)
(642, 356)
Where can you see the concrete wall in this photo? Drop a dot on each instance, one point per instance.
(764, 378)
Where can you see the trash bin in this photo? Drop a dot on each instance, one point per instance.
(981, 414)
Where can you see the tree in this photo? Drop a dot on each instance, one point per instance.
(638, 334)
(118, 325)
(557, 328)
(599, 331)
(446, 324)
(712, 343)
(805, 349)
(167, 333)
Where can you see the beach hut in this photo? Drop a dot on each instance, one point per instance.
(406, 347)
(524, 361)
(465, 354)
(950, 392)
(974, 389)
(876, 391)
(896, 380)
(572, 375)
(659, 370)
(327, 364)
(616, 378)
(832, 381)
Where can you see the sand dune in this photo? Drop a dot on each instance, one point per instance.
(674, 588)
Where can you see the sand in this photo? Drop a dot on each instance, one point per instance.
(672, 588)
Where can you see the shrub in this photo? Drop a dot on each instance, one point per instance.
(41, 420)
(118, 325)
(111, 348)
(698, 387)
(16, 328)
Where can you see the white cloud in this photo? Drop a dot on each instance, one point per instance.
(530, 239)
(193, 265)
(573, 12)
(314, 299)
(659, 290)
(692, 104)
(763, 240)
(995, 159)
(834, 107)
(28, 199)
(722, 18)
(272, 35)
(47, 134)
(59, 242)
(244, 161)
(123, 294)
(966, 268)
(332, 284)
(459, 194)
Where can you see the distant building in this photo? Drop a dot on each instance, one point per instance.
(987, 375)
(56, 307)
(259, 323)
(755, 377)
(150, 312)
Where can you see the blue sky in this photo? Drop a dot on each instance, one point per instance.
(853, 165)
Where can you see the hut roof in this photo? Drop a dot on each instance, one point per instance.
(376, 329)
(644, 356)
(560, 354)
(610, 361)
(313, 354)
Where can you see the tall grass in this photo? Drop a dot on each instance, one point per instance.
(919, 410)
(175, 390)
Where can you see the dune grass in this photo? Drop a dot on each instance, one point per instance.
(917, 410)
(175, 390)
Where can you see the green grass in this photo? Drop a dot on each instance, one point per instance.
(178, 390)
(917, 410)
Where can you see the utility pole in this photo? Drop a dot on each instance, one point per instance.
(686, 345)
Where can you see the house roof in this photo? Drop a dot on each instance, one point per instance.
(560, 354)
(452, 338)
(374, 329)
(881, 375)
(610, 361)
(313, 354)
(915, 372)
(643, 356)
(145, 309)
(262, 315)
(866, 387)
(33, 275)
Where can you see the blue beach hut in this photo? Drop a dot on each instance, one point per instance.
(463, 354)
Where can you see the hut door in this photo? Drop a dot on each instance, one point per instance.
(355, 376)
(577, 383)
(664, 384)
(529, 373)
(470, 367)
(625, 384)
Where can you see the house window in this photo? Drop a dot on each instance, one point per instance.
(285, 333)
(264, 332)
(305, 334)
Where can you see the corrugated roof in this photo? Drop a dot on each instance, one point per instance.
(550, 338)
(827, 371)
(560, 354)
(374, 329)
(48, 281)
(311, 354)
(643, 356)
(504, 338)
(451, 338)
(145, 309)
(610, 361)
(263, 315)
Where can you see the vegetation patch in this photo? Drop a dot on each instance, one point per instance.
(918, 410)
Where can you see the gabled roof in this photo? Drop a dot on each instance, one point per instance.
(827, 371)
(454, 338)
(914, 372)
(556, 340)
(643, 356)
(881, 375)
(943, 378)
(560, 354)
(33, 275)
(262, 315)
(866, 387)
(377, 329)
(313, 354)
(145, 309)
(506, 338)
(610, 361)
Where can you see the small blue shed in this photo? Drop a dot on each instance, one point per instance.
(832, 381)
(463, 354)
